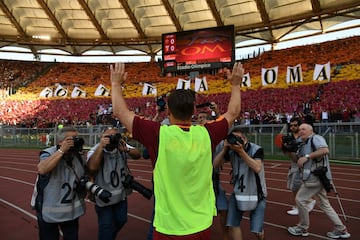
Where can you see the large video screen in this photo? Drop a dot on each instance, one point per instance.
(200, 49)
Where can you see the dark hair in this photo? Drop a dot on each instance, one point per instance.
(296, 119)
(240, 129)
(181, 103)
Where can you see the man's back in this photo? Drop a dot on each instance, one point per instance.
(182, 181)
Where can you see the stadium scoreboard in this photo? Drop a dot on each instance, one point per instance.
(209, 48)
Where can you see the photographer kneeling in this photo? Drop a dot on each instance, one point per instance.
(107, 162)
(312, 156)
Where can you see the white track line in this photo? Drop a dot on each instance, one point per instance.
(19, 209)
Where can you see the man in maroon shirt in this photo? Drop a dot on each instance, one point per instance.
(181, 105)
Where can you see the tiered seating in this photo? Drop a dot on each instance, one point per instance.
(18, 73)
(337, 94)
(341, 95)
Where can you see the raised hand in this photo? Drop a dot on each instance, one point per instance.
(117, 73)
(236, 75)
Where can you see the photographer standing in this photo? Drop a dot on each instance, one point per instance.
(58, 198)
(107, 161)
(248, 178)
(312, 155)
(291, 141)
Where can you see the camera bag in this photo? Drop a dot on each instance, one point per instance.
(321, 170)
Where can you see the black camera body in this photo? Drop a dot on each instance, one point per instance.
(129, 182)
(320, 172)
(78, 143)
(233, 139)
(114, 141)
(202, 105)
(161, 103)
(289, 143)
(104, 195)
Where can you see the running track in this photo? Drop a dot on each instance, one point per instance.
(17, 221)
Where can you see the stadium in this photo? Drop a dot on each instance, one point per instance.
(63, 50)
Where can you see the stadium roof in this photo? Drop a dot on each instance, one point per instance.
(78, 26)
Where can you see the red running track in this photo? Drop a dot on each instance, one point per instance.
(18, 221)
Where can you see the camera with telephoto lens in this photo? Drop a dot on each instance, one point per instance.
(233, 139)
(114, 141)
(289, 143)
(129, 182)
(78, 143)
(103, 194)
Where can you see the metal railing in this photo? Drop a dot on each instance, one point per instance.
(342, 138)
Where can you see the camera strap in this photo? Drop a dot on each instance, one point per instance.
(259, 187)
(257, 178)
(123, 156)
(78, 156)
(313, 149)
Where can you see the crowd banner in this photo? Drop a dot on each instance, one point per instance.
(77, 92)
(102, 91)
(322, 72)
(46, 92)
(149, 89)
(294, 74)
(61, 91)
(201, 84)
(183, 84)
(246, 82)
(269, 76)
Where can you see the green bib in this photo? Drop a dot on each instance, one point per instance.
(184, 195)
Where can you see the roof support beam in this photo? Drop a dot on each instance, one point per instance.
(133, 19)
(315, 6)
(93, 19)
(265, 18)
(20, 30)
(316, 9)
(12, 19)
(172, 15)
(53, 19)
(283, 22)
(215, 12)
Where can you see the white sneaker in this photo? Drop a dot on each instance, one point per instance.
(294, 211)
(311, 205)
(338, 234)
(298, 231)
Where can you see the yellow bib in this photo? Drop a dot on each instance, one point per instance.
(183, 188)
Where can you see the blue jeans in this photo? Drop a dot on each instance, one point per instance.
(257, 215)
(111, 219)
(50, 231)
(221, 200)
(150, 232)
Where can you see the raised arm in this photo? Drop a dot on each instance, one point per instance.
(235, 77)
(47, 165)
(95, 160)
(219, 158)
(120, 109)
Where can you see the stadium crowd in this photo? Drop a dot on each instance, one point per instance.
(337, 98)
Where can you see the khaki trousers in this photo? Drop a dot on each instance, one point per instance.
(308, 191)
